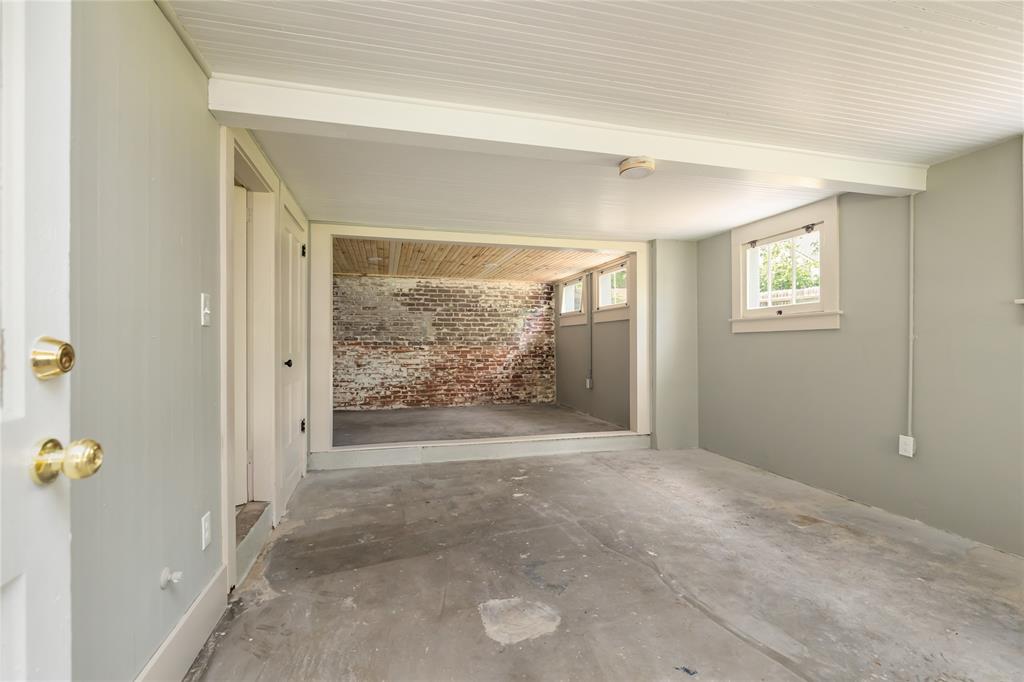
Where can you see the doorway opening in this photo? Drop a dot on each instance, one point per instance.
(436, 341)
(264, 358)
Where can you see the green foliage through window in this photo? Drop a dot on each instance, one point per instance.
(788, 271)
(613, 288)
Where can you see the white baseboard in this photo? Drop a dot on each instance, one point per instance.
(172, 660)
(358, 456)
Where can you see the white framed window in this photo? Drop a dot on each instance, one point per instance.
(571, 301)
(612, 287)
(786, 271)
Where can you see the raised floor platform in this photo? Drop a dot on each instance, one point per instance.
(359, 456)
(408, 425)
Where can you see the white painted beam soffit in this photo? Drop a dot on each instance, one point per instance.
(285, 107)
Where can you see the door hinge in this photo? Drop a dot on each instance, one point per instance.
(302, 426)
(303, 250)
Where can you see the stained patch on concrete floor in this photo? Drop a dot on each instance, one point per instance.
(508, 621)
(802, 521)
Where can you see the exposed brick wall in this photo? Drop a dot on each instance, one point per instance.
(419, 342)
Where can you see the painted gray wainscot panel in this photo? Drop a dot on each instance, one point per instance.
(145, 245)
(609, 398)
(825, 407)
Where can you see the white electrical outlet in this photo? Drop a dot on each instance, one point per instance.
(207, 530)
(907, 446)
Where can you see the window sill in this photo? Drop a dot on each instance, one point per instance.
(788, 323)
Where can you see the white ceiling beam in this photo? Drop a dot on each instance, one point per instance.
(289, 107)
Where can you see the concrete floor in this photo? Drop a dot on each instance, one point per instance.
(364, 427)
(623, 566)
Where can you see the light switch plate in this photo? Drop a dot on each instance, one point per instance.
(205, 312)
(207, 530)
(907, 446)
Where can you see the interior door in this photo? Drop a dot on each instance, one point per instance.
(292, 345)
(35, 549)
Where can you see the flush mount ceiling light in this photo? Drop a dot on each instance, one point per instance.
(636, 167)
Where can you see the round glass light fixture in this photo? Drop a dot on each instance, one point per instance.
(636, 167)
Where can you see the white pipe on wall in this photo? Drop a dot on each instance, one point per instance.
(910, 319)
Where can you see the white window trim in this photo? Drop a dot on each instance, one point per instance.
(620, 265)
(825, 314)
(575, 316)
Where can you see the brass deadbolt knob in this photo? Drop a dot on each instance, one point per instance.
(56, 357)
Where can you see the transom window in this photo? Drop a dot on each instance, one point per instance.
(572, 297)
(611, 286)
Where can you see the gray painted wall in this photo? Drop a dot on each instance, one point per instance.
(609, 398)
(144, 245)
(825, 407)
(674, 365)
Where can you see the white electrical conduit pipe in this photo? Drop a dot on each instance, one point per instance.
(910, 320)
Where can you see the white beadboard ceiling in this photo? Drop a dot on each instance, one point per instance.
(374, 183)
(901, 80)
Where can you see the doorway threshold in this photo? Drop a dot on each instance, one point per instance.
(252, 530)
(424, 452)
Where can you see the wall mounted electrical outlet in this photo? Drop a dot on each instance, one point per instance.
(907, 446)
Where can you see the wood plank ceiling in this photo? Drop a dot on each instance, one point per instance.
(910, 80)
(463, 261)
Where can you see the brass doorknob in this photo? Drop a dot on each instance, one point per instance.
(56, 359)
(81, 459)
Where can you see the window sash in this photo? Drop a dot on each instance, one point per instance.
(610, 272)
(752, 286)
(572, 285)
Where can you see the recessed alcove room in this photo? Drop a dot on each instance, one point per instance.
(435, 341)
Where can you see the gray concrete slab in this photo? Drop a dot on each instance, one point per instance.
(367, 427)
(623, 566)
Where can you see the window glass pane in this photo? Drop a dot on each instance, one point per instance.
(572, 297)
(612, 287)
(784, 272)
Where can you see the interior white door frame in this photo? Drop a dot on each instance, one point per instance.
(237, 371)
(35, 528)
(241, 161)
(321, 402)
(257, 375)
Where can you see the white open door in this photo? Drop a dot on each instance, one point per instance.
(35, 542)
(292, 346)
